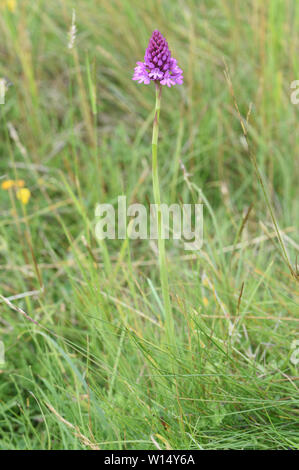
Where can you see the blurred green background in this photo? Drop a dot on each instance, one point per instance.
(76, 131)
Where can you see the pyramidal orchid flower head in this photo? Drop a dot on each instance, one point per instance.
(158, 65)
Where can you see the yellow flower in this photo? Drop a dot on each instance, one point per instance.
(205, 301)
(23, 195)
(7, 184)
(11, 5)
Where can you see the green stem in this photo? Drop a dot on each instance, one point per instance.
(169, 324)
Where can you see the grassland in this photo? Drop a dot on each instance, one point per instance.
(95, 369)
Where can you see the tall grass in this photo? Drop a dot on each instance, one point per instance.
(96, 371)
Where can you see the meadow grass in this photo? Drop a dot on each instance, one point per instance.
(94, 369)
